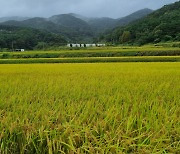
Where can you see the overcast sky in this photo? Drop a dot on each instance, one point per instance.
(91, 8)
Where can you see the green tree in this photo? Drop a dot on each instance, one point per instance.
(126, 37)
(41, 45)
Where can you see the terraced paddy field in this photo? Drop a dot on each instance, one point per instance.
(95, 52)
(90, 108)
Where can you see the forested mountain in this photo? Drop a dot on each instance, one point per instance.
(133, 17)
(43, 24)
(161, 25)
(80, 28)
(102, 24)
(70, 21)
(38, 23)
(74, 28)
(70, 27)
(27, 38)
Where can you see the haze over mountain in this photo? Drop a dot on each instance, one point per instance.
(102, 24)
(76, 27)
(16, 18)
(90, 8)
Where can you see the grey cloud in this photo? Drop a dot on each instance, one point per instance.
(94, 8)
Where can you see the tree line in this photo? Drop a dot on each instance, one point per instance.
(27, 38)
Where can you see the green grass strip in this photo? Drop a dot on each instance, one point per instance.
(92, 60)
(91, 53)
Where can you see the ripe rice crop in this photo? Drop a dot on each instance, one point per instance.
(90, 108)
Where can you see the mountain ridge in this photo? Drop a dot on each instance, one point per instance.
(104, 23)
(76, 27)
(161, 25)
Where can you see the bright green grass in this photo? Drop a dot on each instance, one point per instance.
(90, 108)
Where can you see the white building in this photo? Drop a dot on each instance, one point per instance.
(85, 45)
(101, 45)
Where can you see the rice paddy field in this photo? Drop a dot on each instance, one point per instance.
(95, 52)
(94, 55)
(90, 108)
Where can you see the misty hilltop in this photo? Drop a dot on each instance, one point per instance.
(94, 8)
(72, 26)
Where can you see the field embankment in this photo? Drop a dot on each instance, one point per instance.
(98, 52)
(93, 55)
(92, 60)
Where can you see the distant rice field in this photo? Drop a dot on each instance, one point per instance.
(92, 60)
(90, 108)
(95, 52)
